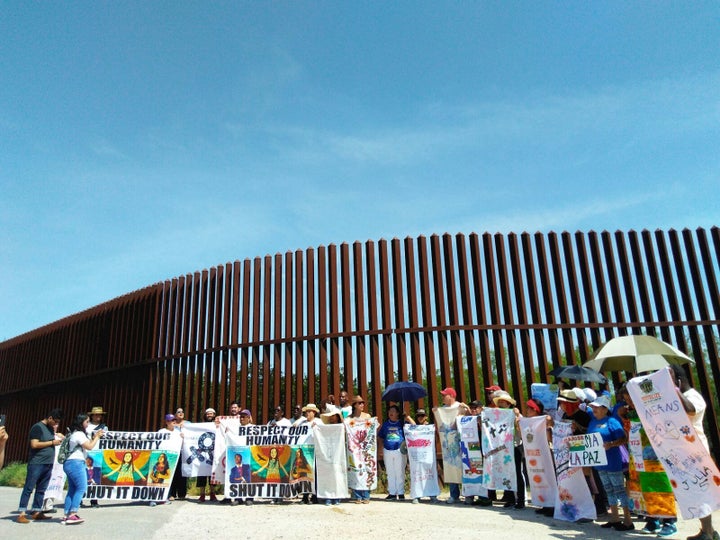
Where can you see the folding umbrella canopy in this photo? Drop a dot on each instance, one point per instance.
(636, 354)
(578, 373)
(404, 391)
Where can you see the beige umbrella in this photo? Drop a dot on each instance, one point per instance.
(636, 354)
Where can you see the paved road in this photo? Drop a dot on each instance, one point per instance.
(380, 519)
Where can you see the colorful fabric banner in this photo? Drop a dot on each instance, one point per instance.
(538, 461)
(498, 432)
(229, 424)
(198, 450)
(472, 457)
(586, 450)
(272, 462)
(449, 442)
(574, 500)
(133, 466)
(362, 453)
(330, 461)
(420, 441)
(635, 465)
(693, 475)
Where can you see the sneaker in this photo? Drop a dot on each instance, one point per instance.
(73, 520)
(668, 529)
(651, 527)
(390, 498)
(152, 504)
(248, 502)
(482, 501)
(610, 524)
(94, 504)
(328, 502)
(416, 501)
(235, 502)
(22, 519)
(401, 497)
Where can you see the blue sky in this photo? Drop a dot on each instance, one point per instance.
(140, 141)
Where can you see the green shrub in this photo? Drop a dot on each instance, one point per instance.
(13, 475)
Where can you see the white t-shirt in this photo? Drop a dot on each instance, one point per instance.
(695, 397)
(281, 422)
(76, 440)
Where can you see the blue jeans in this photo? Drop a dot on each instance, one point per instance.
(454, 490)
(38, 478)
(361, 494)
(77, 484)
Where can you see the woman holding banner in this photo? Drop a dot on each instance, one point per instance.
(611, 475)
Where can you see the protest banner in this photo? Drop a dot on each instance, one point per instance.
(273, 462)
(362, 453)
(229, 424)
(330, 461)
(133, 466)
(693, 475)
(198, 449)
(574, 500)
(449, 442)
(420, 441)
(472, 457)
(546, 394)
(498, 432)
(538, 461)
(586, 450)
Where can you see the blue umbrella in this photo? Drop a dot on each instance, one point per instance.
(402, 391)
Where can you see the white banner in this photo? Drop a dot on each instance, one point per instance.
(472, 457)
(498, 433)
(693, 475)
(362, 453)
(420, 442)
(449, 443)
(198, 450)
(538, 461)
(574, 500)
(330, 461)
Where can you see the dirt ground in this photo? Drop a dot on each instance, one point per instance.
(398, 519)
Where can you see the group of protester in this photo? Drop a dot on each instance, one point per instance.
(585, 410)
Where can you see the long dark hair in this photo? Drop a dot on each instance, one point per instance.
(77, 423)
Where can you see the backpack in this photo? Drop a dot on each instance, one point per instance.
(64, 451)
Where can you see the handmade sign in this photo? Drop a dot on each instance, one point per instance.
(693, 475)
(586, 450)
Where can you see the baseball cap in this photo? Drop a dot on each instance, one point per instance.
(449, 392)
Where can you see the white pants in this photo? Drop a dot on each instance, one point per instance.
(395, 463)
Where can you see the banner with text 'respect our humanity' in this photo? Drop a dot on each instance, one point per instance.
(539, 461)
(693, 475)
(132, 466)
(271, 462)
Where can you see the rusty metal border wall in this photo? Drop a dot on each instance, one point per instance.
(462, 311)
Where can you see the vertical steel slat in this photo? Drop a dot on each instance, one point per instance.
(658, 299)
(547, 297)
(561, 297)
(627, 280)
(386, 312)
(267, 335)
(667, 274)
(614, 284)
(288, 330)
(322, 309)
(360, 327)
(411, 294)
(588, 291)
(333, 316)
(454, 317)
(500, 371)
(426, 321)
(346, 307)
(234, 340)
(253, 349)
(598, 265)
(399, 309)
(480, 303)
(246, 383)
(277, 333)
(440, 313)
(575, 302)
(298, 333)
(521, 306)
(310, 315)
(467, 318)
(507, 317)
(373, 326)
(642, 286)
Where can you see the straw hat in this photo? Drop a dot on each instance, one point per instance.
(96, 410)
(311, 407)
(330, 411)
